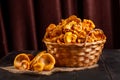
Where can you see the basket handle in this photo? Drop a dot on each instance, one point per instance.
(92, 31)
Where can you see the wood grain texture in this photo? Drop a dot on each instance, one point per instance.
(112, 61)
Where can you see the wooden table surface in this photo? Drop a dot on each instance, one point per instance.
(108, 69)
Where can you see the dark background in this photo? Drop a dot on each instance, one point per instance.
(23, 22)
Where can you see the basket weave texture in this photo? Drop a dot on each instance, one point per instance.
(76, 55)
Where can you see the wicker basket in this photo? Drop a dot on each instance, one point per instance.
(76, 55)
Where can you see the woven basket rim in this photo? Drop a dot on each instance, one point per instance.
(77, 44)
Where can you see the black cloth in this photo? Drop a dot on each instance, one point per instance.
(108, 69)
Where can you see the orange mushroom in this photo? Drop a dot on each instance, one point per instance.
(37, 67)
(48, 61)
(42, 61)
(22, 61)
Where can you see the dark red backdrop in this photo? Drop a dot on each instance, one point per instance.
(23, 22)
